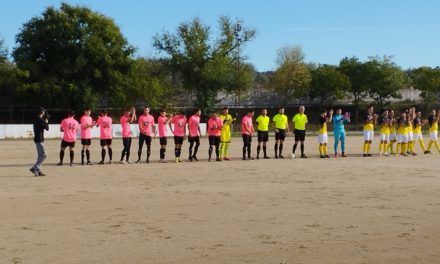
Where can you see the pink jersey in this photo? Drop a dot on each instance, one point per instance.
(86, 132)
(215, 125)
(193, 125)
(146, 122)
(105, 127)
(246, 125)
(162, 125)
(125, 124)
(179, 122)
(69, 126)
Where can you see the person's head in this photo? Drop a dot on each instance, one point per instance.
(70, 113)
(391, 113)
(323, 112)
(214, 114)
(419, 114)
(250, 112)
(87, 111)
(225, 110)
(281, 110)
(433, 112)
(264, 111)
(41, 111)
(385, 113)
(126, 112)
(197, 112)
(338, 111)
(180, 113)
(403, 114)
(162, 112)
(370, 109)
(103, 112)
(146, 110)
(302, 109)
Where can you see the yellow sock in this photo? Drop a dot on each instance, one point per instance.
(422, 145)
(404, 148)
(324, 149)
(386, 147)
(391, 147)
(320, 150)
(430, 145)
(368, 147)
(226, 149)
(411, 146)
(398, 146)
(437, 146)
(365, 148)
(380, 147)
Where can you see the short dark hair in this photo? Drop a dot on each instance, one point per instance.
(225, 108)
(250, 111)
(103, 111)
(70, 112)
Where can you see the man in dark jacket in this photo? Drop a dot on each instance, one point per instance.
(40, 124)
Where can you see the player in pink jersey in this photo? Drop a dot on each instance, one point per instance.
(104, 122)
(194, 134)
(146, 131)
(69, 127)
(86, 134)
(162, 121)
(126, 119)
(179, 130)
(214, 128)
(247, 131)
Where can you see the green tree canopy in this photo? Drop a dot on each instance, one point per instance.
(427, 81)
(205, 65)
(75, 57)
(292, 77)
(328, 85)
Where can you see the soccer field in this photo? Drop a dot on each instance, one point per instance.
(344, 210)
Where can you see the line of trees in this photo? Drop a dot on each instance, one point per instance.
(72, 57)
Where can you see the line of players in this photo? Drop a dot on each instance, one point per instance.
(403, 131)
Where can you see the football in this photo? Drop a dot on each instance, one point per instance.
(292, 156)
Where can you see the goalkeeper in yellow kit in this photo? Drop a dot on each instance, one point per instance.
(225, 137)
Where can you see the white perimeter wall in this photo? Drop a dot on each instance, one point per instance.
(26, 131)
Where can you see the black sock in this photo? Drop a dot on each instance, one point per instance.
(196, 148)
(175, 152)
(61, 156)
(102, 155)
(217, 152)
(210, 152)
(244, 151)
(88, 155)
(127, 156)
(139, 153)
(258, 151)
(122, 154)
(190, 149)
(72, 155)
(162, 153)
(249, 150)
(110, 153)
(276, 150)
(82, 156)
(281, 149)
(294, 148)
(302, 149)
(264, 151)
(148, 152)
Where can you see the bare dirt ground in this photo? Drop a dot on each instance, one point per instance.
(345, 210)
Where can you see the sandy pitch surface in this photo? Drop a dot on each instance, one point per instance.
(351, 210)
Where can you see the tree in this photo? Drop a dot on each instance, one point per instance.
(75, 58)
(205, 66)
(292, 77)
(328, 85)
(354, 70)
(3, 51)
(385, 79)
(427, 81)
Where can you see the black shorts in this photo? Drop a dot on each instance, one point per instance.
(300, 135)
(65, 144)
(280, 135)
(194, 139)
(163, 141)
(178, 140)
(214, 140)
(144, 138)
(263, 136)
(105, 142)
(86, 142)
(247, 139)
